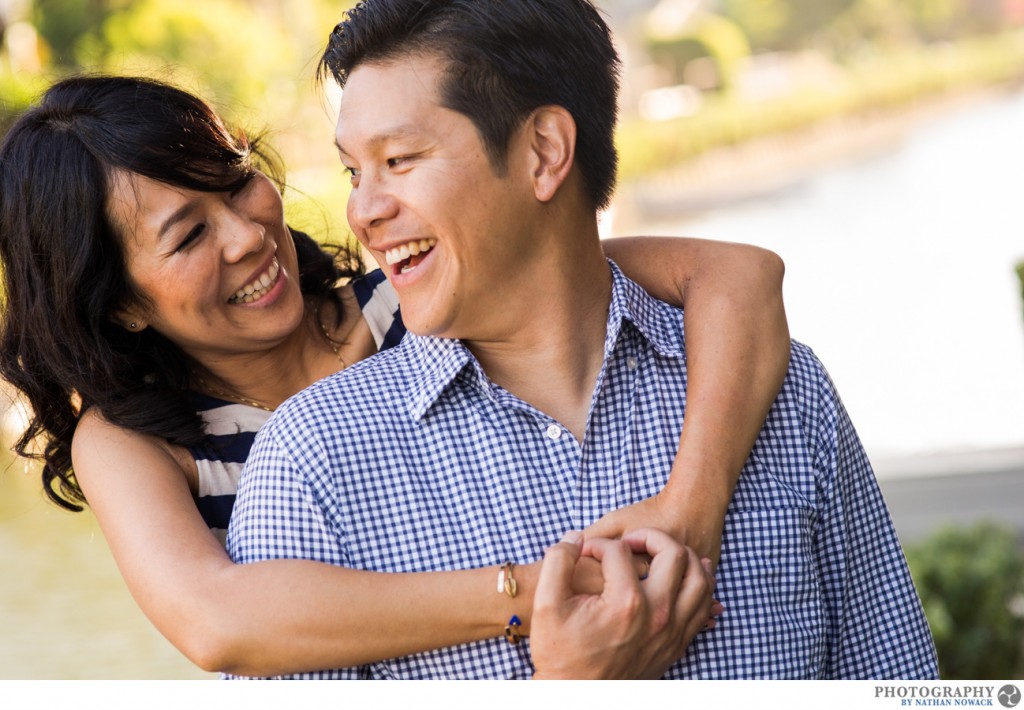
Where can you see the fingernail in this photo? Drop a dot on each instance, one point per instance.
(706, 563)
(573, 537)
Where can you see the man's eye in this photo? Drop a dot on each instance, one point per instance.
(191, 237)
(353, 174)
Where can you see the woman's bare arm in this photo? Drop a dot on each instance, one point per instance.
(284, 616)
(274, 617)
(737, 347)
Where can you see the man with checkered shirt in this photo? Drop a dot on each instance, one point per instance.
(539, 388)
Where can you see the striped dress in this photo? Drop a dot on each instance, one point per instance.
(231, 427)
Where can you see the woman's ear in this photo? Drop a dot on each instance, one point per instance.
(552, 133)
(130, 319)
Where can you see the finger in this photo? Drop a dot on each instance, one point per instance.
(605, 527)
(650, 541)
(554, 585)
(641, 565)
(668, 563)
(709, 567)
(641, 560)
(711, 620)
(620, 579)
(694, 600)
(589, 537)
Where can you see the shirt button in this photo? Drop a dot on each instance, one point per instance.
(554, 432)
(631, 363)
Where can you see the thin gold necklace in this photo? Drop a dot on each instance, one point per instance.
(230, 396)
(234, 396)
(335, 345)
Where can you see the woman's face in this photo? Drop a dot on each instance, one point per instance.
(218, 270)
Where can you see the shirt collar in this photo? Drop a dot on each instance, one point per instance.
(436, 362)
(658, 322)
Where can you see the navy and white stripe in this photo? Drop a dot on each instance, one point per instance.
(379, 304)
(231, 427)
(415, 460)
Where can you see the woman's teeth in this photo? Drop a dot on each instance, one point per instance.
(258, 288)
(399, 254)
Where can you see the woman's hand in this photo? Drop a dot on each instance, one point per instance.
(692, 517)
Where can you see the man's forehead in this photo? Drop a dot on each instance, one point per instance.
(387, 101)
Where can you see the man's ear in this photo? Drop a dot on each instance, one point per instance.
(130, 318)
(552, 133)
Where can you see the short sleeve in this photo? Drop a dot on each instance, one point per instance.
(280, 510)
(879, 629)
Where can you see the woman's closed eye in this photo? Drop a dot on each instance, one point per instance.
(191, 238)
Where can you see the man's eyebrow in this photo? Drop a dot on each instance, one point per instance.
(399, 133)
(177, 216)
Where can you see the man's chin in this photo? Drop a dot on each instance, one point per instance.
(426, 325)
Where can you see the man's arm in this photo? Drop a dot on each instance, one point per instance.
(878, 627)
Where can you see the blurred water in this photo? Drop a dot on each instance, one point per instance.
(64, 611)
(900, 275)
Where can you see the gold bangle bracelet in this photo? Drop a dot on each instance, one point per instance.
(506, 582)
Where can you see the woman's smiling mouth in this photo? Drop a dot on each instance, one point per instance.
(258, 287)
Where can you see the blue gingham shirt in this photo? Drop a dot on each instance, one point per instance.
(414, 460)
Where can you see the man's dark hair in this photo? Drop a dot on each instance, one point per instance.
(505, 58)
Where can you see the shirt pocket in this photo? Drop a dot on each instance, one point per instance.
(775, 622)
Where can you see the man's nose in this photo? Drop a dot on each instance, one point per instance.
(371, 204)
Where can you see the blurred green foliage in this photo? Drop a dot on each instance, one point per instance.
(707, 35)
(774, 25)
(255, 59)
(63, 24)
(16, 92)
(881, 79)
(971, 583)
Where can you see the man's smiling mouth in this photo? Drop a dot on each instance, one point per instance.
(409, 255)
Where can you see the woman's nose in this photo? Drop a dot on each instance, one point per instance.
(245, 237)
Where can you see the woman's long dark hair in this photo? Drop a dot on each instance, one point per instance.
(63, 264)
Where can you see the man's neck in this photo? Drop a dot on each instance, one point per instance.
(552, 358)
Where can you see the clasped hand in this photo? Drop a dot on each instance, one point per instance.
(632, 628)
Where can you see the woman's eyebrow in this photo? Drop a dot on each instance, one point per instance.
(177, 216)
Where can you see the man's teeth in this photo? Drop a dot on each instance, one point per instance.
(259, 286)
(399, 254)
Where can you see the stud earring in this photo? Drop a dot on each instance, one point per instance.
(132, 326)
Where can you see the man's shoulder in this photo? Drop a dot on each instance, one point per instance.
(370, 387)
(806, 372)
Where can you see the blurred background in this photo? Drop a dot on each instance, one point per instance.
(876, 145)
